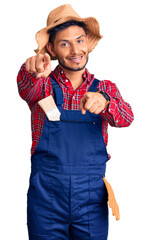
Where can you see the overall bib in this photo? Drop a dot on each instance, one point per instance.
(67, 197)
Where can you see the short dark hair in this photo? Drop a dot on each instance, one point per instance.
(63, 26)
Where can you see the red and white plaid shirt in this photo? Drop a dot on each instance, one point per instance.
(118, 113)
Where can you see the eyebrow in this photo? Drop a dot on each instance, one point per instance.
(64, 40)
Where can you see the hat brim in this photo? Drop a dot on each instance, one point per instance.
(92, 27)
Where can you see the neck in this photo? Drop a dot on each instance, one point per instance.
(73, 76)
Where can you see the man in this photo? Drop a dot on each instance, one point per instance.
(67, 195)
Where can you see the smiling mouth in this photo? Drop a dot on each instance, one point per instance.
(76, 59)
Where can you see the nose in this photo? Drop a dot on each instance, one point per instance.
(74, 49)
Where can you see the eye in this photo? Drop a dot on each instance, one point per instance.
(80, 41)
(64, 44)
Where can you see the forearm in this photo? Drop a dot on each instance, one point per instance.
(118, 114)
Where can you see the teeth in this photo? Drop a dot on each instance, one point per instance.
(75, 58)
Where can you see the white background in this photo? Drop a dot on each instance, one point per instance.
(122, 56)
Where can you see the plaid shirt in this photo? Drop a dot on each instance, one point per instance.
(118, 113)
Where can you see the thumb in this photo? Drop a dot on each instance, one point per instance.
(82, 103)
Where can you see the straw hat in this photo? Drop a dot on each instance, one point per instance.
(61, 15)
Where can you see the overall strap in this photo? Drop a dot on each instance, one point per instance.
(93, 87)
(58, 94)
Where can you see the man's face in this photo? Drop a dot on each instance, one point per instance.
(71, 48)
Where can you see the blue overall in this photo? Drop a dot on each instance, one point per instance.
(67, 197)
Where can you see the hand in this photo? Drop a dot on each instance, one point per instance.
(39, 64)
(92, 101)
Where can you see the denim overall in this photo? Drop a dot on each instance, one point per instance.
(67, 197)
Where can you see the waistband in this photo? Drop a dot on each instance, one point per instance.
(67, 169)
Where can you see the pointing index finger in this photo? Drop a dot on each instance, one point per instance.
(47, 59)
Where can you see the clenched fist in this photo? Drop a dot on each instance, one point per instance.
(39, 64)
(95, 102)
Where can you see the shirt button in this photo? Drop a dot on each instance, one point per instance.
(67, 80)
(73, 97)
(62, 71)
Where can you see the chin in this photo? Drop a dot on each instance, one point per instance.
(71, 68)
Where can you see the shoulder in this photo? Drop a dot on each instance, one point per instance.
(104, 85)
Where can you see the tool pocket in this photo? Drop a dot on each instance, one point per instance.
(98, 191)
(98, 208)
(32, 181)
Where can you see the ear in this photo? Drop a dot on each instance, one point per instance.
(50, 49)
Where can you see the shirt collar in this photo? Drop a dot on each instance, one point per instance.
(60, 75)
